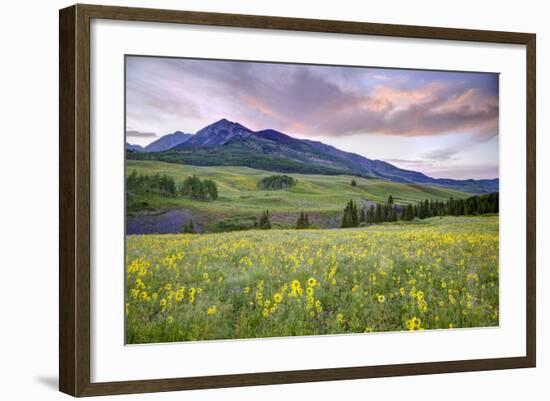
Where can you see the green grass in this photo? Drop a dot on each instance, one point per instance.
(239, 195)
(438, 273)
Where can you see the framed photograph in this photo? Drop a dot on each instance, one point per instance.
(250, 200)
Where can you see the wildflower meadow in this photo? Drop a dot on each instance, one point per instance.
(438, 273)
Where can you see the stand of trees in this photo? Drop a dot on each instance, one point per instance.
(198, 189)
(164, 185)
(472, 206)
(157, 183)
(381, 212)
(276, 182)
(303, 221)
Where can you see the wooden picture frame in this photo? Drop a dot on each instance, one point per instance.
(74, 199)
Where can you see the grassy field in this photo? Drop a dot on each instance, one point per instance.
(437, 273)
(239, 195)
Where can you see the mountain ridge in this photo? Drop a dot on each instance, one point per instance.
(167, 142)
(231, 143)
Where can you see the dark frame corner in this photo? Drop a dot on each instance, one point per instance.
(74, 199)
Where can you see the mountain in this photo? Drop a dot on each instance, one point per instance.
(168, 142)
(232, 144)
(133, 148)
(218, 134)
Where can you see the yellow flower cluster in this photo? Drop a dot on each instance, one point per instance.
(414, 323)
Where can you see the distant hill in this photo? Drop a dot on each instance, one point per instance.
(133, 148)
(229, 143)
(168, 142)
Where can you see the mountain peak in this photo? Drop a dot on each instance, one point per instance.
(218, 133)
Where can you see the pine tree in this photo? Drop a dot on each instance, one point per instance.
(189, 228)
(393, 213)
(265, 223)
(370, 215)
(350, 218)
(408, 213)
(299, 222)
(390, 200)
(354, 217)
(378, 214)
(303, 221)
(353, 183)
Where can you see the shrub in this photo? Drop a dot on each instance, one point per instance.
(236, 224)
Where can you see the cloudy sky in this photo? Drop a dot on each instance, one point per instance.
(444, 124)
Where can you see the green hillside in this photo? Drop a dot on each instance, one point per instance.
(239, 193)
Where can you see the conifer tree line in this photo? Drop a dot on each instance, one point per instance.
(382, 212)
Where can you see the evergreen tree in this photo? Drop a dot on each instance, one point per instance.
(353, 183)
(390, 200)
(393, 214)
(346, 217)
(189, 228)
(350, 218)
(264, 223)
(378, 214)
(303, 221)
(354, 216)
(370, 214)
(408, 213)
(300, 221)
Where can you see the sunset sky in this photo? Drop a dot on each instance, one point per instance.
(444, 124)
